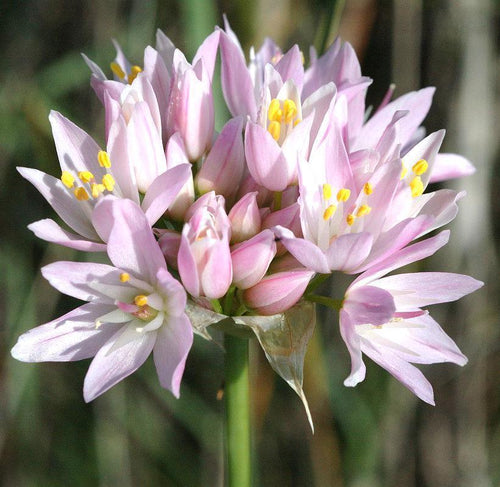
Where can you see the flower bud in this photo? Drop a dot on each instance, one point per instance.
(191, 106)
(251, 259)
(278, 292)
(204, 258)
(245, 218)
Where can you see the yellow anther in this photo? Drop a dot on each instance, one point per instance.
(327, 191)
(81, 194)
(328, 213)
(350, 219)
(96, 189)
(85, 176)
(420, 167)
(134, 71)
(404, 170)
(274, 112)
(296, 122)
(274, 129)
(108, 182)
(98, 324)
(368, 188)
(124, 277)
(103, 159)
(290, 109)
(363, 210)
(141, 300)
(67, 179)
(117, 70)
(417, 186)
(343, 194)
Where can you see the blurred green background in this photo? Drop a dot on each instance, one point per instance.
(377, 434)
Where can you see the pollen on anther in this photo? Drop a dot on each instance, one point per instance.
(108, 182)
(328, 213)
(350, 219)
(416, 186)
(327, 191)
(96, 189)
(67, 179)
(81, 194)
(290, 109)
(343, 194)
(134, 71)
(420, 167)
(103, 159)
(85, 176)
(117, 70)
(363, 210)
(141, 300)
(368, 188)
(274, 129)
(274, 112)
(124, 277)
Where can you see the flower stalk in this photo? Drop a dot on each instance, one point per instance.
(236, 392)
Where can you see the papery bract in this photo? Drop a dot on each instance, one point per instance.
(204, 258)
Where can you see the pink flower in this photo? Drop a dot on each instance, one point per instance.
(224, 165)
(191, 106)
(383, 318)
(277, 292)
(251, 259)
(204, 258)
(134, 307)
(88, 174)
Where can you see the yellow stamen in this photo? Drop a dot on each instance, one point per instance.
(296, 122)
(327, 191)
(275, 130)
(98, 324)
(81, 194)
(328, 213)
(124, 277)
(85, 176)
(96, 189)
(108, 182)
(363, 210)
(350, 219)
(134, 71)
(368, 188)
(417, 187)
(290, 109)
(274, 112)
(343, 194)
(103, 159)
(117, 70)
(404, 170)
(67, 179)
(420, 167)
(141, 300)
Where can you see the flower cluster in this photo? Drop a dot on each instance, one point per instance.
(200, 226)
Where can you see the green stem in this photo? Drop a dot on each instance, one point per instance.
(335, 304)
(316, 281)
(277, 200)
(236, 392)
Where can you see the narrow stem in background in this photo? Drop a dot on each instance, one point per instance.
(236, 392)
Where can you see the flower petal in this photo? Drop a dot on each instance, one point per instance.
(73, 336)
(111, 366)
(172, 346)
